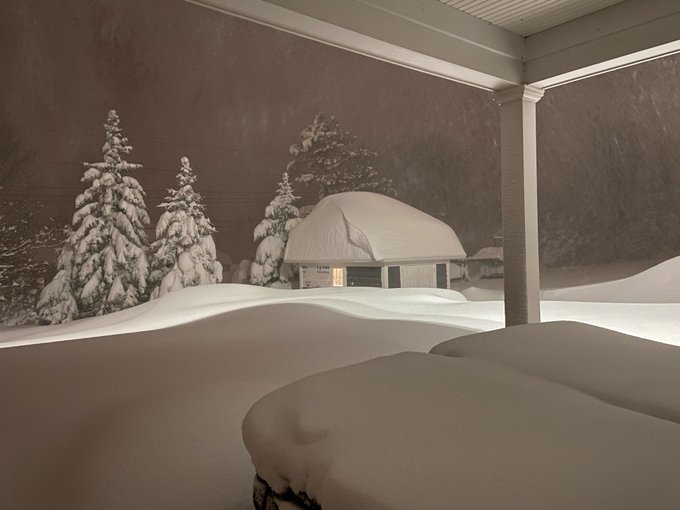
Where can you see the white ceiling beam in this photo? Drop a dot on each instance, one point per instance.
(621, 35)
(424, 35)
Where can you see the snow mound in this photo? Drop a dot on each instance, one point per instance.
(152, 420)
(658, 284)
(417, 430)
(369, 227)
(657, 321)
(480, 294)
(623, 370)
(437, 306)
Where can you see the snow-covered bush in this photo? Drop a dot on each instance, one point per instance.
(103, 263)
(241, 272)
(305, 210)
(281, 216)
(329, 157)
(22, 274)
(25, 238)
(56, 303)
(184, 252)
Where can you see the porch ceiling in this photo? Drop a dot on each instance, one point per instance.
(528, 17)
(491, 44)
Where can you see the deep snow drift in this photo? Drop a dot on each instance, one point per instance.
(195, 303)
(144, 406)
(152, 420)
(645, 304)
(483, 426)
(656, 321)
(658, 284)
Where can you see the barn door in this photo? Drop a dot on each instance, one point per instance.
(442, 277)
(393, 277)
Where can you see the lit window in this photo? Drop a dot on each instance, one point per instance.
(338, 276)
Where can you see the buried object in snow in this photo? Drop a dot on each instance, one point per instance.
(475, 427)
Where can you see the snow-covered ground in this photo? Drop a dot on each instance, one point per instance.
(556, 415)
(152, 419)
(646, 305)
(657, 284)
(192, 304)
(142, 408)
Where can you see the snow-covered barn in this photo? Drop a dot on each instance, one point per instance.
(362, 239)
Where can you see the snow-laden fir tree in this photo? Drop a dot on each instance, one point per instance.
(57, 303)
(104, 261)
(184, 253)
(281, 216)
(329, 157)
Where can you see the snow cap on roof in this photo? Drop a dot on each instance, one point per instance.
(489, 253)
(359, 226)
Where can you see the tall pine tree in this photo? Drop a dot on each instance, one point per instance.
(103, 263)
(281, 216)
(329, 157)
(184, 253)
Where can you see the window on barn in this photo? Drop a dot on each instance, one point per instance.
(338, 277)
(364, 277)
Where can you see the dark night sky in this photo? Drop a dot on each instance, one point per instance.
(233, 95)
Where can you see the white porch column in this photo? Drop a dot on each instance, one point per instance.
(520, 204)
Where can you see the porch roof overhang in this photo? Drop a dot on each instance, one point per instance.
(433, 37)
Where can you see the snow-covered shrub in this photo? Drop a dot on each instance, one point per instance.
(329, 157)
(22, 274)
(281, 216)
(25, 238)
(241, 272)
(56, 303)
(103, 264)
(184, 252)
(305, 210)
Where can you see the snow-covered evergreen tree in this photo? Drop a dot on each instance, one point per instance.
(184, 253)
(57, 303)
(328, 156)
(104, 259)
(281, 216)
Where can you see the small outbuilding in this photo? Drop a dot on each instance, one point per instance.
(362, 239)
(487, 262)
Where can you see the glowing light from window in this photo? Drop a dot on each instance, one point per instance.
(338, 276)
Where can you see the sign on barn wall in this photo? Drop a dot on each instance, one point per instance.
(314, 277)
